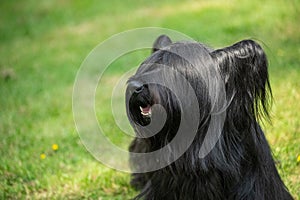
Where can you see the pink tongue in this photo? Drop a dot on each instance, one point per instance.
(146, 109)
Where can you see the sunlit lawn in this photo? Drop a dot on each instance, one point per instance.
(42, 44)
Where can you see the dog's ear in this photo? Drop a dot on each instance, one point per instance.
(161, 42)
(244, 67)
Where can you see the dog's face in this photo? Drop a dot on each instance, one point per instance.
(170, 87)
(218, 79)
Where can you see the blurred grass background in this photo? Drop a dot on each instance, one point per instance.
(42, 44)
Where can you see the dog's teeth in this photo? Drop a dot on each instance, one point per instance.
(145, 113)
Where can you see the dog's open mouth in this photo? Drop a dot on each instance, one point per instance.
(142, 114)
(140, 103)
(146, 111)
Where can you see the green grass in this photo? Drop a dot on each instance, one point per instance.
(42, 44)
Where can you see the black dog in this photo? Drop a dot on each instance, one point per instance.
(239, 165)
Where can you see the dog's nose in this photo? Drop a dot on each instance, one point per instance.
(135, 87)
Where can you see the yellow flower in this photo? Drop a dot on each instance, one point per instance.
(298, 159)
(54, 147)
(43, 156)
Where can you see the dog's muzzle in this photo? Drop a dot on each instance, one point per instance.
(140, 102)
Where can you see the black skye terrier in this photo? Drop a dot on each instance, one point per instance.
(239, 165)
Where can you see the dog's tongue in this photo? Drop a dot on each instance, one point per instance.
(146, 110)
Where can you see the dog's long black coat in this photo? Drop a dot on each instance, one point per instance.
(240, 166)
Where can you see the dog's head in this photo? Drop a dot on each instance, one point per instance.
(191, 80)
